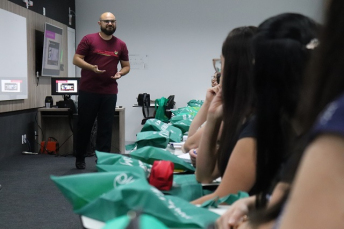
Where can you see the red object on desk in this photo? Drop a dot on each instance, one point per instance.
(161, 175)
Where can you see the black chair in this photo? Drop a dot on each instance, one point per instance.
(145, 108)
(146, 105)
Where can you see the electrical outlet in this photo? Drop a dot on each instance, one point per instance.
(36, 135)
(23, 138)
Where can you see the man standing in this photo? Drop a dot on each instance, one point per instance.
(98, 55)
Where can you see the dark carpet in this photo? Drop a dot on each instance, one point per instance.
(30, 199)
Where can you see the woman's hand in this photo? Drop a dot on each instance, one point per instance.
(236, 214)
(193, 156)
(215, 107)
(211, 93)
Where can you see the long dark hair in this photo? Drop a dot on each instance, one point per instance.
(237, 88)
(281, 57)
(325, 79)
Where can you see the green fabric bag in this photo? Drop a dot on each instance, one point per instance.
(129, 147)
(157, 125)
(114, 162)
(177, 118)
(183, 125)
(152, 138)
(81, 189)
(139, 195)
(149, 154)
(160, 107)
(144, 222)
(123, 168)
(186, 187)
(230, 199)
(195, 103)
(186, 111)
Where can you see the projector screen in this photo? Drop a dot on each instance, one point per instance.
(13, 56)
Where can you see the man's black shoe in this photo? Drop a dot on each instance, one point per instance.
(80, 164)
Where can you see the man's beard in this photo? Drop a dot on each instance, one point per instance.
(108, 32)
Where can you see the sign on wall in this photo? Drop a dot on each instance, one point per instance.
(52, 50)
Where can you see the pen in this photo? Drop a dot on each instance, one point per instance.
(194, 151)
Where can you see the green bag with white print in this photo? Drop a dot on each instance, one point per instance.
(175, 134)
(186, 187)
(183, 125)
(152, 138)
(178, 118)
(149, 154)
(195, 103)
(114, 162)
(81, 189)
(141, 221)
(140, 196)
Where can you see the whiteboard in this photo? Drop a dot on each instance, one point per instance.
(13, 56)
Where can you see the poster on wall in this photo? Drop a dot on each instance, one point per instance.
(13, 57)
(52, 50)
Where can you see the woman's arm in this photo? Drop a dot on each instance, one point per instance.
(201, 115)
(195, 132)
(207, 151)
(192, 142)
(317, 196)
(240, 172)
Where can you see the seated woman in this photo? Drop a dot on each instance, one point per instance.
(195, 131)
(232, 105)
(282, 48)
(215, 79)
(316, 197)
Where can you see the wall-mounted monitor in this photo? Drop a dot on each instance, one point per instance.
(52, 50)
(65, 86)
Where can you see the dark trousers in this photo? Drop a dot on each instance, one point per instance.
(90, 107)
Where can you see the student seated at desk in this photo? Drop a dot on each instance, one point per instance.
(282, 47)
(196, 128)
(233, 104)
(215, 79)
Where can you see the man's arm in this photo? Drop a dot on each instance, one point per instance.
(79, 61)
(125, 67)
(125, 70)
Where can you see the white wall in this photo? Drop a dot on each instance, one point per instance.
(180, 38)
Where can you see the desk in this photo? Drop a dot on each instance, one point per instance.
(55, 122)
(151, 105)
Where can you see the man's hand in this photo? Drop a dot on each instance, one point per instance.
(117, 76)
(96, 70)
